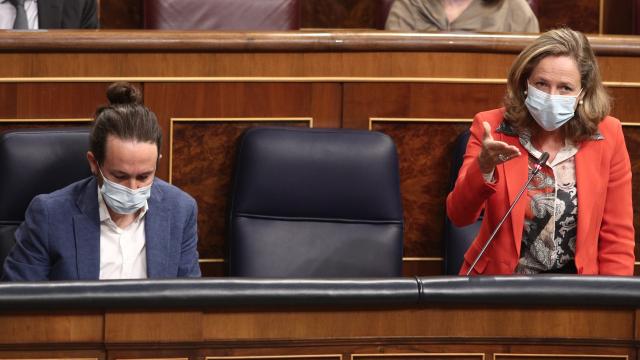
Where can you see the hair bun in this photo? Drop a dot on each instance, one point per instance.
(123, 93)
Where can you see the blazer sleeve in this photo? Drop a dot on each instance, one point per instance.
(189, 266)
(470, 192)
(616, 239)
(29, 259)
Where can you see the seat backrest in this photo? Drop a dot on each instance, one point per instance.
(383, 11)
(457, 239)
(222, 14)
(315, 203)
(32, 162)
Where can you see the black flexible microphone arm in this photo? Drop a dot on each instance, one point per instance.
(543, 159)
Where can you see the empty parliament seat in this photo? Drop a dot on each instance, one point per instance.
(222, 14)
(315, 203)
(457, 239)
(32, 162)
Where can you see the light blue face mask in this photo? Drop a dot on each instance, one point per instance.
(550, 111)
(121, 199)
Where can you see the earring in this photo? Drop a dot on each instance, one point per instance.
(525, 92)
(580, 102)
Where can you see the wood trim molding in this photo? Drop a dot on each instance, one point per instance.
(69, 41)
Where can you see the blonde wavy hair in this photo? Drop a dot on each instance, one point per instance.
(596, 102)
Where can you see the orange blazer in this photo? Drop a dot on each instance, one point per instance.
(605, 235)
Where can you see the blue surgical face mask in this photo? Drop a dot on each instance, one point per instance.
(121, 199)
(550, 111)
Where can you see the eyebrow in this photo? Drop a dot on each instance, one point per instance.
(542, 78)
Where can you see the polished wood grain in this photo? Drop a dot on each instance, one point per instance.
(428, 322)
(75, 41)
(583, 15)
(121, 14)
(50, 100)
(51, 328)
(413, 332)
(339, 13)
(318, 101)
(619, 16)
(158, 326)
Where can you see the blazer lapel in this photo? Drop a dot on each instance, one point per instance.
(157, 235)
(49, 14)
(87, 233)
(516, 173)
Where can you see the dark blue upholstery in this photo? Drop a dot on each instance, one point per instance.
(32, 162)
(316, 203)
(457, 239)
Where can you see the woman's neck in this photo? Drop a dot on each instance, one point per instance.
(548, 141)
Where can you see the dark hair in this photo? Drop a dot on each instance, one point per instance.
(126, 118)
(595, 103)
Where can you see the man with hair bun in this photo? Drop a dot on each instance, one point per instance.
(121, 223)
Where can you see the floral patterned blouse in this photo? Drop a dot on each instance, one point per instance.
(551, 211)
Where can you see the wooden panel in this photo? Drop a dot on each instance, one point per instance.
(618, 16)
(52, 355)
(321, 102)
(51, 100)
(583, 15)
(559, 356)
(490, 323)
(160, 326)
(363, 101)
(51, 328)
(418, 356)
(258, 64)
(339, 13)
(277, 357)
(121, 14)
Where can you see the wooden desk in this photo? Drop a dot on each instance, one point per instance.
(207, 87)
(140, 323)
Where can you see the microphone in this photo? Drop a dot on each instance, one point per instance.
(536, 168)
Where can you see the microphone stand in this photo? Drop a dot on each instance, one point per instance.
(543, 159)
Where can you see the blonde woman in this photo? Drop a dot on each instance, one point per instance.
(576, 215)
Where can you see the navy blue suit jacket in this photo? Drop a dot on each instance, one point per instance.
(60, 237)
(67, 14)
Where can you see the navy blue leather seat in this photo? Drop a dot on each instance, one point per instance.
(32, 162)
(316, 203)
(457, 239)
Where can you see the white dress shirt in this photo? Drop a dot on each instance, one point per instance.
(8, 14)
(123, 252)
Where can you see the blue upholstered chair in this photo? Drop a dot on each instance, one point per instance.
(32, 162)
(315, 203)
